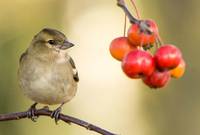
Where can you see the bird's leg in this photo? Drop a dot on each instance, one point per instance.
(56, 113)
(31, 112)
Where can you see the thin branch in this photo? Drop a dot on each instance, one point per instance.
(122, 4)
(65, 118)
(132, 19)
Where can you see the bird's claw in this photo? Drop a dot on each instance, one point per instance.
(31, 113)
(56, 114)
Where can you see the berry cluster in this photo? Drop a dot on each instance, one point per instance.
(138, 61)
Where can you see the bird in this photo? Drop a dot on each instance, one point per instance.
(47, 74)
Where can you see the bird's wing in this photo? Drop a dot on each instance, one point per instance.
(23, 56)
(75, 75)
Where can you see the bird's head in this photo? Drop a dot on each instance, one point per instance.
(51, 39)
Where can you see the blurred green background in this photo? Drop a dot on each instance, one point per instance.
(106, 97)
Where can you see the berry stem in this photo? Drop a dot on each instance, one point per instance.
(160, 40)
(157, 43)
(132, 19)
(136, 10)
(125, 25)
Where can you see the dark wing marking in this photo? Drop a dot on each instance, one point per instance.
(76, 77)
(22, 56)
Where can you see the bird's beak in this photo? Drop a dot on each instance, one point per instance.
(66, 45)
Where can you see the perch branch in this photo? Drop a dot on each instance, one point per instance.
(65, 118)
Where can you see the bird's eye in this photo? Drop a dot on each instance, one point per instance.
(52, 42)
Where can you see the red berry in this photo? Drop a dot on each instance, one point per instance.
(138, 34)
(168, 57)
(152, 26)
(119, 47)
(179, 71)
(138, 63)
(157, 79)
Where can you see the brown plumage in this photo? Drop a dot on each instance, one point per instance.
(47, 74)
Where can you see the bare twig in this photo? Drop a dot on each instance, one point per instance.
(65, 118)
(132, 19)
(122, 4)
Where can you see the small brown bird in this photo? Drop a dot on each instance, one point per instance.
(47, 74)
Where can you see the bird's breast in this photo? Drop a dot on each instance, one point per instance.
(48, 83)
